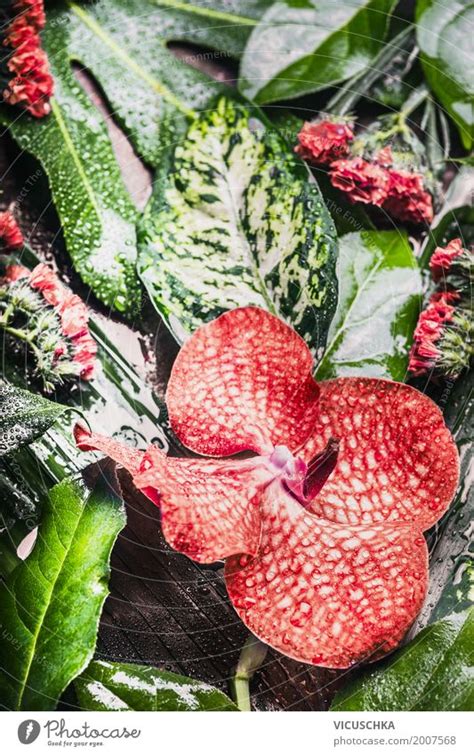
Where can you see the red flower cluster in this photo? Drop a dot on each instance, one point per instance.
(322, 528)
(374, 181)
(74, 340)
(443, 338)
(324, 141)
(32, 84)
(363, 181)
(401, 193)
(11, 236)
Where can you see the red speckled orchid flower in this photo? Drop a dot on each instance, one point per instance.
(323, 528)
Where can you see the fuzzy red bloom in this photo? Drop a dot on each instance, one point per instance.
(407, 198)
(424, 352)
(324, 141)
(74, 316)
(362, 181)
(33, 94)
(322, 528)
(444, 257)
(11, 236)
(14, 273)
(32, 11)
(28, 62)
(21, 36)
(32, 84)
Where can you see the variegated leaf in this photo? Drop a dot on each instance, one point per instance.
(238, 221)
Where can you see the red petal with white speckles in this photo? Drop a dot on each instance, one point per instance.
(130, 458)
(242, 382)
(210, 508)
(326, 594)
(397, 461)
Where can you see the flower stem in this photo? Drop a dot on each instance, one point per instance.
(22, 335)
(357, 87)
(241, 691)
(251, 658)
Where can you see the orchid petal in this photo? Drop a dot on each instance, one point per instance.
(326, 594)
(397, 461)
(242, 382)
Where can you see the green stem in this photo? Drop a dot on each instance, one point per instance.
(22, 335)
(356, 88)
(417, 97)
(241, 692)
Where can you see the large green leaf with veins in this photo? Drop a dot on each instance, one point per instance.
(302, 46)
(238, 221)
(222, 25)
(51, 603)
(379, 302)
(433, 672)
(123, 43)
(108, 686)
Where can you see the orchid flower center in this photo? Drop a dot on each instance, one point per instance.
(283, 460)
(304, 481)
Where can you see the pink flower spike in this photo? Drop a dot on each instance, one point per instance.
(444, 257)
(442, 338)
(73, 314)
(323, 530)
(14, 273)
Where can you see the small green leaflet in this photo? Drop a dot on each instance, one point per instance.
(51, 603)
(379, 302)
(444, 33)
(238, 222)
(24, 417)
(301, 46)
(433, 672)
(108, 686)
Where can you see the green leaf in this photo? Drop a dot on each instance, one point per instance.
(238, 221)
(222, 25)
(446, 53)
(127, 686)
(456, 216)
(50, 604)
(379, 302)
(300, 47)
(24, 416)
(94, 208)
(433, 672)
(138, 67)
